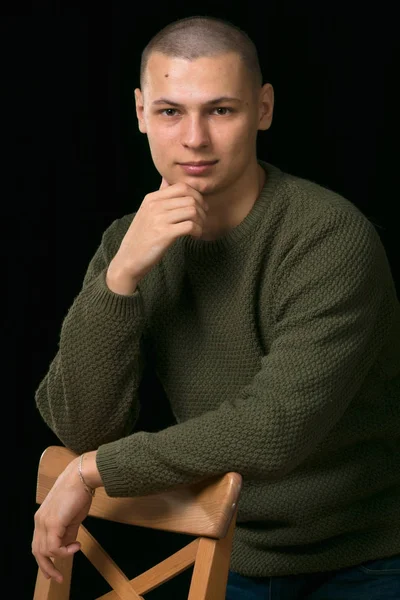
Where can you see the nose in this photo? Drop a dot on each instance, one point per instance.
(195, 132)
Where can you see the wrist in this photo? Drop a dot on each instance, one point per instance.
(88, 471)
(120, 282)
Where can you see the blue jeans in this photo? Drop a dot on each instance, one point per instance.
(372, 580)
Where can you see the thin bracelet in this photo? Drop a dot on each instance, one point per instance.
(89, 490)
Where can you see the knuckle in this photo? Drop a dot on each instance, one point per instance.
(158, 232)
(157, 220)
(149, 199)
(196, 194)
(52, 522)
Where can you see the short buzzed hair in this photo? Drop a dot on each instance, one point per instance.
(195, 37)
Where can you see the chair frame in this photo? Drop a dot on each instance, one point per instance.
(207, 509)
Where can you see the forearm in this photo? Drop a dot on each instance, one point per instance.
(323, 347)
(89, 395)
(89, 470)
(265, 433)
(119, 282)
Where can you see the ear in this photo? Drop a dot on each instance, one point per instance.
(140, 110)
(266, 106)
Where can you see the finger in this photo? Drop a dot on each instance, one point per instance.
(54, 545)
(180, 190)
(48, 569)
(191, 228)
(184, 202)
(73, 547)
(164, 184)
(190, 213)
(61, 541)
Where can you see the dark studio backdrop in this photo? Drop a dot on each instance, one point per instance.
(75, 161)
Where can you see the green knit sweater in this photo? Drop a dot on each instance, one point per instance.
(278, 347)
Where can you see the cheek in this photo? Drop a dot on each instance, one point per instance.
(161, 147)
(160, 138)
(235, 145)
(235, 136)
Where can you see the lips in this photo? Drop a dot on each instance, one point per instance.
(201, 163)
(199, 168)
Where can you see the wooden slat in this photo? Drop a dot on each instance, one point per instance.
(202, 509)
(206, 510)
(210, 573)
(106, 566)
(49, 588)
(162, 572)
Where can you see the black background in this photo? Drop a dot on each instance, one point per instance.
(74, 160)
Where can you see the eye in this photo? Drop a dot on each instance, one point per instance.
(167, 112)
(225, 110)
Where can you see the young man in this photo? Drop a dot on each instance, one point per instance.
(266, 307)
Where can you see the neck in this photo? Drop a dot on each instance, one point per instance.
(229, 208)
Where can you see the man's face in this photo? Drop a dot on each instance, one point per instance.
(185, 111)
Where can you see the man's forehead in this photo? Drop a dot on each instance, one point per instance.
(163, 66)
(221, 75)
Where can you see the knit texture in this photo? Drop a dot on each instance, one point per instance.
(278, 347)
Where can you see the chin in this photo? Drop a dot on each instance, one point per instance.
(203, 187)
(202, 184)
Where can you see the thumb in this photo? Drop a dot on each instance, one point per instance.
(164, 184)
(73, 547)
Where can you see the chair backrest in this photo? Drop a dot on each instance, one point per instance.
(207, 509)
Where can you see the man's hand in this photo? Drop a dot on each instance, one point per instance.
(58, 519)
(165, 215)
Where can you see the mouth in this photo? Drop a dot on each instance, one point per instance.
(201, 167)
(201, 163)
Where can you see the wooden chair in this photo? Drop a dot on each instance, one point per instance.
(207, 510)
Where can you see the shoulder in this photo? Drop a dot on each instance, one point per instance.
(314, 200)
(309, 212)
(120, 226)
(115, 232)
(314, 228)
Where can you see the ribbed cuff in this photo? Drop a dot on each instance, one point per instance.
(111, 303)
(111, 461)
(108, 464)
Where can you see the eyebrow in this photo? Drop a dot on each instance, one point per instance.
(209, 103)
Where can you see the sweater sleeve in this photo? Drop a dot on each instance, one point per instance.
(89, 395)
(333, 309)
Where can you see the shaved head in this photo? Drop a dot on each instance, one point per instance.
(196, 37)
